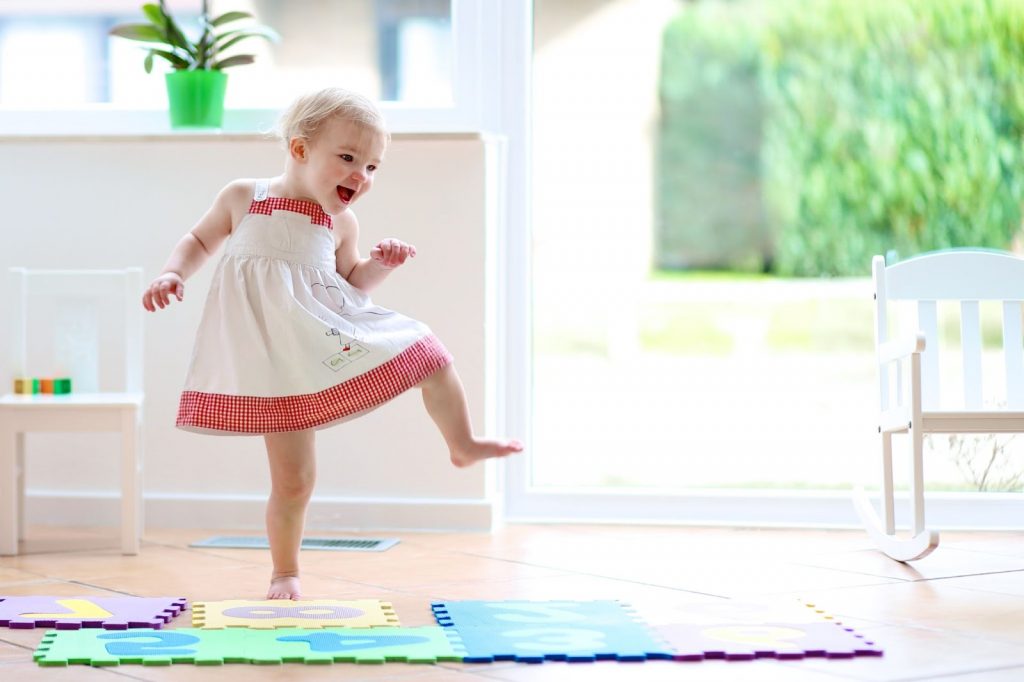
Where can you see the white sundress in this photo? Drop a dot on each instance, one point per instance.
(286, 343)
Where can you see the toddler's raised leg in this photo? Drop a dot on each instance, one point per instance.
(292, 475)
(445, 400)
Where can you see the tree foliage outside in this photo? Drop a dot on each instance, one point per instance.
(877, 126)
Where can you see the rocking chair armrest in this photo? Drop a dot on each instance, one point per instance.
(901, 348)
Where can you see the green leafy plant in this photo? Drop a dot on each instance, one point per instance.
(172, 44)
(810, 136)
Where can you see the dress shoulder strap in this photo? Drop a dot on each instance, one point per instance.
(261, 191)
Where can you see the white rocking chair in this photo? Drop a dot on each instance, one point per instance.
(969, 277)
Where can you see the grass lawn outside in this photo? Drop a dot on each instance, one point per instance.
(745, 382)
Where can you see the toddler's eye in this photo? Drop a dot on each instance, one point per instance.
(371, 168)
(346, 157)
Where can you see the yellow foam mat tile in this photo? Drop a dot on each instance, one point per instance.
(311, 613)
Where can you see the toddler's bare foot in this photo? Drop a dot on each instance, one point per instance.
(284, 587)
(480, 448)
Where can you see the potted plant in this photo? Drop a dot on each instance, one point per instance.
(197, 83)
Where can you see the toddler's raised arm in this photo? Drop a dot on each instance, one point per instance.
(198, 244)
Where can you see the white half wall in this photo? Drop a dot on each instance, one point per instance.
(108, 202)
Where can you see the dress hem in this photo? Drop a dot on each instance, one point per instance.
(217, 413)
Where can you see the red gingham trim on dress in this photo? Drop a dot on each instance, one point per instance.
(252, 414)
(314, 211)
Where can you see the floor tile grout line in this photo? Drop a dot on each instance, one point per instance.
(19, 645)
(598, 575)
(968, 575)
(989, 552)
(200, 551)
(921, 627)
(649, 584)
(119, 671)
(863, 573)
(953, 676)
(84, 583)
(831, 673)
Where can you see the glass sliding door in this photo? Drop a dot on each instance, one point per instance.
(709, 182)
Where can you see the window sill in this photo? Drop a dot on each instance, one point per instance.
(104, 122)
(177, 136)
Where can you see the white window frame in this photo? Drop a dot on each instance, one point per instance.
(474, 31)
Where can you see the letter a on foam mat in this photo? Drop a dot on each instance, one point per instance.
(243, 645)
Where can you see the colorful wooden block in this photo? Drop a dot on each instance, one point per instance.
(71, 613)
(26, 386)
(35, 385)
(213, 647)
(317, 613)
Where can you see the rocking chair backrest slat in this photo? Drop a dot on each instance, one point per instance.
(970, 345)
(928, 322)
(882, 327)
(1013, 355)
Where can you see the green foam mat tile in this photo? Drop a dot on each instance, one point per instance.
(242, 645)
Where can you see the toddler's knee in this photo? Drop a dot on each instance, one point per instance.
(295, 488)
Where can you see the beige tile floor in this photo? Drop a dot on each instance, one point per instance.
(957, 615)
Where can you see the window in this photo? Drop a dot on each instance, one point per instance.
(56, 55)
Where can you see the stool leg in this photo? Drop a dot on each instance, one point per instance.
(19, 463)
(130, 482)
(9, 442)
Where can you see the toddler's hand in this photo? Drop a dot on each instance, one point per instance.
(392, 252)
(158, 295)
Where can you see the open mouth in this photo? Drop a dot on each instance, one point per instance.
(345, 194)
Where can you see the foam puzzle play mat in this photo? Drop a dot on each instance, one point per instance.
(102, 631)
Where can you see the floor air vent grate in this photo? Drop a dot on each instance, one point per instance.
(332, 544)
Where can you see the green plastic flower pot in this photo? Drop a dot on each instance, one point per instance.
(196, 98)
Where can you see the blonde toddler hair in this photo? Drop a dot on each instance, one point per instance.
(308, 113)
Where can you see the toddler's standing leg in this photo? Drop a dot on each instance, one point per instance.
(446, 404)
(292, 475)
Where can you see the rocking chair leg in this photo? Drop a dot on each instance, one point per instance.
(917, 479)
(888, 497)
(883, 530)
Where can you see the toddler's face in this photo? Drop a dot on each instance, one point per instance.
(341, 163)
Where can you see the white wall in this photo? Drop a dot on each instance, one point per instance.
(114, 202)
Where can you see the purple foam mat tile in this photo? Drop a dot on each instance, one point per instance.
(73, 613)
(737, 642)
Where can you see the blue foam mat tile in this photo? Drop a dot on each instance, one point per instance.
(483, 613)
(571, 643)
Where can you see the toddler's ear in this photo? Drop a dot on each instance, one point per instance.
(298, 147)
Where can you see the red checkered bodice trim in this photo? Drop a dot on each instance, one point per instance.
(313, 210)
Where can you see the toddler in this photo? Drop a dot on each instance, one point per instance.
(308, 348)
